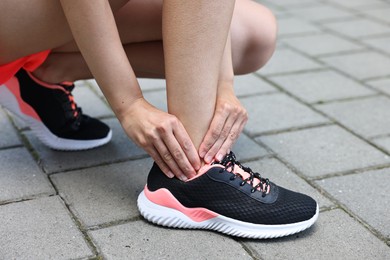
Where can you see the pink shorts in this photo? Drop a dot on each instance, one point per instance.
(29, 63)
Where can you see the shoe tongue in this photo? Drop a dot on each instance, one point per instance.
(245, 175)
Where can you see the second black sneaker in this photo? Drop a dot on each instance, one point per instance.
(52, 114)
(226, 197)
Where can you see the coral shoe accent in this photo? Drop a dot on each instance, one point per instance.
(13, 86)
(164, 198)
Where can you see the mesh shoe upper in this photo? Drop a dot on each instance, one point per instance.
(56, 108)
(221, 191)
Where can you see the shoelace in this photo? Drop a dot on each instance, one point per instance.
(263, 184)
(72, 111)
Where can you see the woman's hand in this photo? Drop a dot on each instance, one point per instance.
(228, 122)
(163, 137)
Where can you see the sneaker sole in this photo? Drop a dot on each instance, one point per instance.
(10, 102)
(200, 218)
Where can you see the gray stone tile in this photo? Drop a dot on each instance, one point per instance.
(281, 175)
(104, 194)
(292, 3)
(20, 177)
(120, 148)
(323, 150)
(383, 142)
(321, 86)
(379, 43)
(152, 84)
(321, 12)
(319, 44)
(381, 84)
(290, 26)
(157, 99)
(366, 28)
(8, 133)
(251, 85)
(368, 117)
(90, 102)
(40, 229)
(335, 236)
(362, 65)
(276, 112)
(381, 14)
(246, 149)
(286, 61)
(359, 4)
(141, 240)
(366, 195)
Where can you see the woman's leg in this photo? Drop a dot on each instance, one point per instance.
(253, 33)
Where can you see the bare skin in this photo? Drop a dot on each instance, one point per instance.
(137, 38)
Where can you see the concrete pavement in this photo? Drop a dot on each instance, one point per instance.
(319, 124)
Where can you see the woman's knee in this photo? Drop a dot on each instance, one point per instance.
(254, 33)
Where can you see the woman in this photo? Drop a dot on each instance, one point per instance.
(197, 46)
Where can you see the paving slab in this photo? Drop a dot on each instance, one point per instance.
(366, 195)
(104, 194)
(356, 65)
(379, 43)
(381, 14)
(251, 85)
(152, 84)
(323, 150)
(291, 26)
(276, 112)
(40, 229)
(321, 86)
(321, 44)
(383, 142)
(280, 174)
(8, 133)
(20, 177)
(118, 149)
(288, 61)
(381, 84)
(360, 4)
(366, 27)
(292, 3)
(90, 102)
(322, 12)
(335, 236)
(246, 149)
(157, 99)
(368, 117)
(141, 240)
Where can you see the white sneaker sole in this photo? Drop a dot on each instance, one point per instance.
(9, 101)
(170, 217)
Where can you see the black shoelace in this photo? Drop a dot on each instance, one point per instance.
(229, 161)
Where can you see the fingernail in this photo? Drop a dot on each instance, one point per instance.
(202, 154)
(219, 157)
(170, 174)
(183, 178)
(208, 159)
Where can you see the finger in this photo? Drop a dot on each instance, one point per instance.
(187, 145)
(178, 154)
(229, 142)
(226, 131)
(213, 132)
(168, 159)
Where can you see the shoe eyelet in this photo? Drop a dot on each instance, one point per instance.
(232, 178)
(242, 183)
(253, 190)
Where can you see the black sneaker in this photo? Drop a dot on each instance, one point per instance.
(52, 114)
(229, 198)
